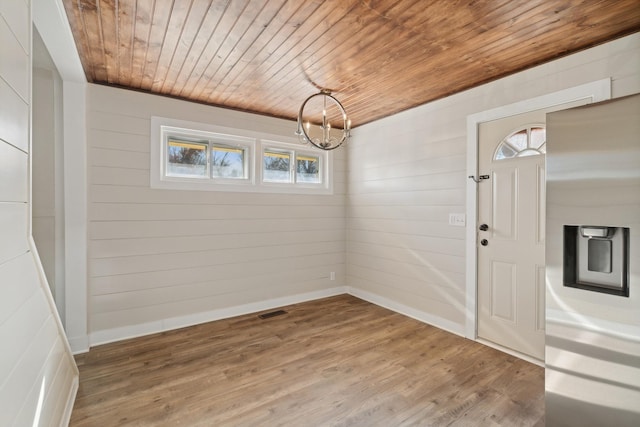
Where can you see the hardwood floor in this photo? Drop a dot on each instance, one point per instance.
(338, 361)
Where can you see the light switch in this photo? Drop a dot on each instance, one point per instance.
(457, 219)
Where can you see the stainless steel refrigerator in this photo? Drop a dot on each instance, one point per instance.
(592, 375)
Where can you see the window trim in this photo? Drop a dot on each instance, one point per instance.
(254, 143)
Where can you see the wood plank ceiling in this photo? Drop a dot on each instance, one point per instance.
(378, 57)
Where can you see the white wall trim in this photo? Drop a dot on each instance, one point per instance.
(75, 213)
(51, 21)
(595, 91)
(126, 332)
(117, 334)
(419, 315)
(71, 399)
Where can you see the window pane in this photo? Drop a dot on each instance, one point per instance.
(543, 148)
(186, 158)
(538, 137)
(308, 169)
(277, 166)
(525, 142)
(227, 162)
(518, 140)
(505, 152)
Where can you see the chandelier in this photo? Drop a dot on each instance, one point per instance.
(323, 122)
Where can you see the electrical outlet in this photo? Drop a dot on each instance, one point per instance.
(332, 275)
(457, 219)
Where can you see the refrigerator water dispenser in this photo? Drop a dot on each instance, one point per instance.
(596, 258)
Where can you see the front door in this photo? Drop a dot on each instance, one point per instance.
(511, 219)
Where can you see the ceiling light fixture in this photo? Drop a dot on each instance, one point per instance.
(323, 122)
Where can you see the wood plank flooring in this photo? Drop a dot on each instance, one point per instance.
(338, 361)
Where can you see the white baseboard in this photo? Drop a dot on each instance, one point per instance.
(126, 332)
(423, 317)
(66, 416)
(117, 334)
(432, 320)
(79, 344)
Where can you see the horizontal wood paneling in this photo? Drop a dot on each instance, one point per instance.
(441, 263)
(13, 167)
(58, 372)
(142, 263)
(445, 245)
(37, 366)
(110, 139)
(117, 158)
(161, 254)
(111, 191)
(202, 242)
(30, 320)
(196, 291)
(13, 272)
(433, 197)
(123, 177)
(420, 269)
(14, 118)
(399, 225)
(128, 321)
(123, 283)
(16, 12)
(442, 310)
(14, 65)
(407, 173)
(38, 376)
(172, 212)
(13, 229)
(134, 229)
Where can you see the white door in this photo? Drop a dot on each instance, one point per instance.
(511, 217)
(511, 204)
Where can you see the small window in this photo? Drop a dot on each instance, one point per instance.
(530, 141)
(277, 166)
(185, 158)
(197, 156)
(228, 162)
(295, 168)
(206, 156)
(308, 169)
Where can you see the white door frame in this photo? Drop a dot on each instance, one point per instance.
(595, 91)
(50, 18)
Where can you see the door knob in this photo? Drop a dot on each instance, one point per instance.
(484, 242)
(484, 227)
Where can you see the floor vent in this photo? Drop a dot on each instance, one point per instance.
(272, 314)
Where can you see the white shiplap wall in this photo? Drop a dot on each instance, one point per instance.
(38, 376)
(407, 173)
(160, 259)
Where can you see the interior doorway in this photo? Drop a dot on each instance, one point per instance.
(47, 170)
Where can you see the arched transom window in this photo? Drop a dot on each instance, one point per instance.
(529, 141)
